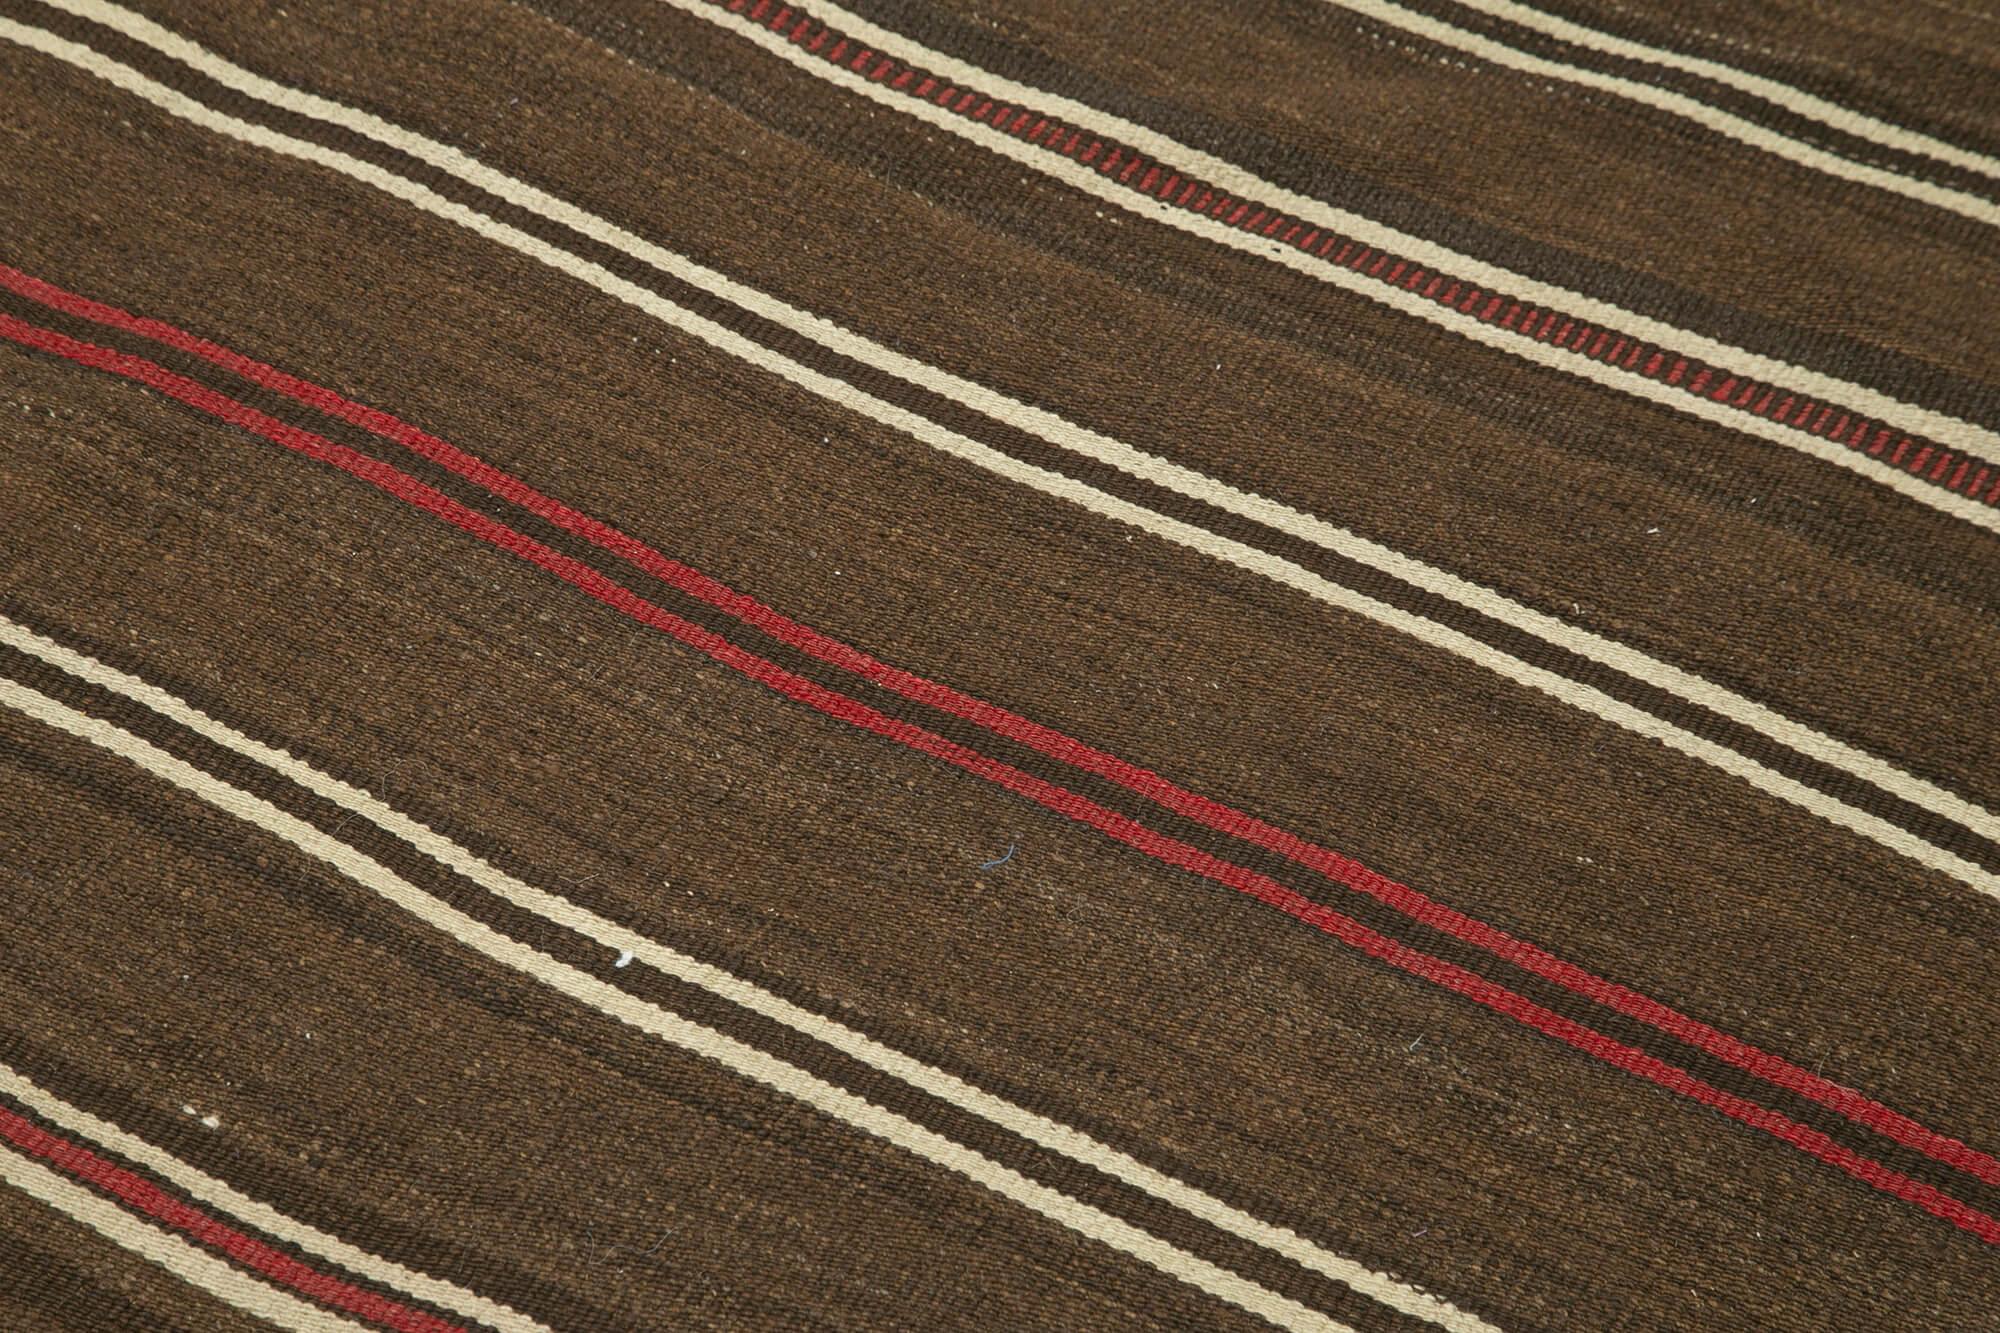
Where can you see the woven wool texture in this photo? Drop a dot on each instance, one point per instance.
(710, 664)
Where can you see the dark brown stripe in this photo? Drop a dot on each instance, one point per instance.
(1928, 76)
(1770, 115)
(157, 1203)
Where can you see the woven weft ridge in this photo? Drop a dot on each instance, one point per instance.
(710, 664)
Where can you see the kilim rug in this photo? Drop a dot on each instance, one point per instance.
(721, 664)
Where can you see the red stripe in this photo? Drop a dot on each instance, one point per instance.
(1169, 851)
(140, 1194)
(1215, 815)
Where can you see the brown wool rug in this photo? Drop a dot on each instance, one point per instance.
(714, 664)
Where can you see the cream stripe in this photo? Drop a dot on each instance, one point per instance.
(269, 1220)
(1792, 99)
(1712, 118)
(1037, 1129)
(745, 1060)
(1962, 435)
(1052, 483)
(196, 1267)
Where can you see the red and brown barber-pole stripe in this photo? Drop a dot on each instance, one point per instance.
(1953, 471)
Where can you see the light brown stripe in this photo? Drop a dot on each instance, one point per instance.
(1799, 102)
(1689, 108)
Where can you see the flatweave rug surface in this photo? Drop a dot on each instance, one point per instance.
(719, 664)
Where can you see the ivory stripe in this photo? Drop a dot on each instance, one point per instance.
(192, 1265)
(745, 1060)
(1051, 483)
(265, 1218)
(1722, 122)
(1037, 1129)
(1799, 102)
(1968, 437)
